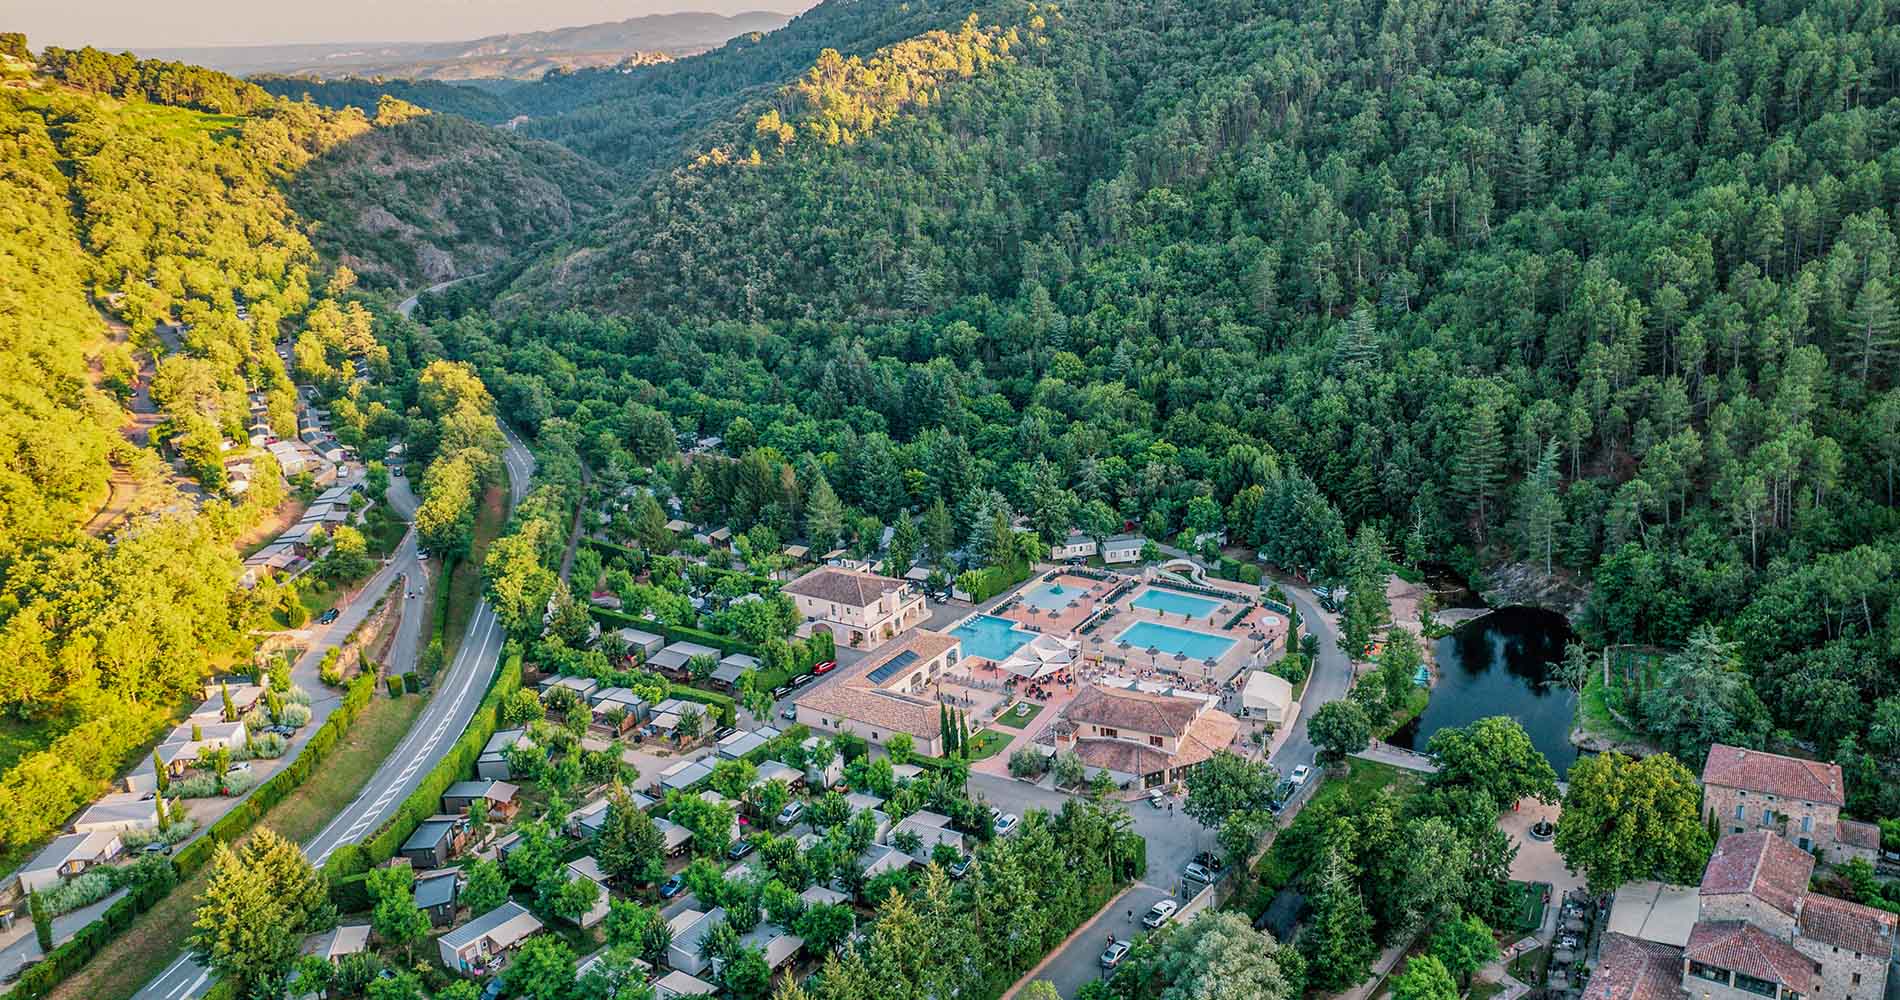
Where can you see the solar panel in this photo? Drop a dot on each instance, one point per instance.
(898, 663)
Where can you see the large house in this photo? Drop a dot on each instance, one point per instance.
(1799, 799)
(890, 691)
(859, 609)
(1755, 931)
(1076, 546)
(1144, 732)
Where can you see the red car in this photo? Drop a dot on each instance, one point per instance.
(825, 667)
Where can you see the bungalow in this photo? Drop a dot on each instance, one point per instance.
(437, 894)
(588, 868)
(775, 943)
(639, 966)
(679, 527)
(1075, 546)
(469, 948)
(906, 773)
(739, 744)
(773, 770)
(581, 686)
(606, 699)
(1123, 549)
(436, 840)
(493, 763)
(641, 643)
(499, 796)
(816, 776)
(677, 985)
(118, 812)
(684, 775)
(819, 895)
(351, 939)
(67, 856)
(796, 553)
(732, 666)
(675, 657)
(880, 858)
(676, 837)
(930, 829)
(195, 741)
(589, 819)
(688, 928)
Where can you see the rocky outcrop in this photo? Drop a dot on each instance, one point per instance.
(1527, 585)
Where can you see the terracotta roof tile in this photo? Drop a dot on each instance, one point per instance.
(1773, 774)
(1634, 969)
(1849, 925)
(843, 586)
(1745, 948)
(1760, 864)
(1117, 708)
(1854, 833)
(855, 696)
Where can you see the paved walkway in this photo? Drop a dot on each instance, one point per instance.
(1397, 757)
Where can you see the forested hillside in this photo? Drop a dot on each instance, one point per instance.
(415, 201)
(151, 265)
(473, 103)
(1591, 285)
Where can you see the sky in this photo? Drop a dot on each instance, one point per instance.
(151, 24)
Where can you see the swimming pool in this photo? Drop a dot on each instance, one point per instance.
(1049, 596)
(1171, 640)
(1175, 603)
(990, 637)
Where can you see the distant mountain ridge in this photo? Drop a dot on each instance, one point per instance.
(519, 56)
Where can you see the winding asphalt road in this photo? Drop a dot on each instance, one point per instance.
(457, 693)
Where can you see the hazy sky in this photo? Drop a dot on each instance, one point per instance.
(136, 24)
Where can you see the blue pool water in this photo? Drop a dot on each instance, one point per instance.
(990, 637)
(1171, 640)
(1175, 603)
(1049, 596)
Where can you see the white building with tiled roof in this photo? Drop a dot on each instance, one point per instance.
(891, 691)
(860, 609)
(1153, 736)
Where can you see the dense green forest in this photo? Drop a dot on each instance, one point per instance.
(473, 103)
(1594, 286)
(414, 201)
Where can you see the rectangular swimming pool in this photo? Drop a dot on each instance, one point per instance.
(1174, 602)
(1049, 596)
(1170, 640)
(990, 637)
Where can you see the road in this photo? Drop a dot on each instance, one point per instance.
(1174, 838)
(457, 693)
(408, 305)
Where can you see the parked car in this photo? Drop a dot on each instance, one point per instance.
(790, 814)
(1006, 824)
(826, 667)
(158, 847)
(241, 767)
(1157, 798)
(1282, 793)
(1210, 861)
(800, 681)
(995, 814)
(722, 732)
(673, 886)
(327, 617)
(739, 849)
(781, 691)
(790, 714)
(493, 990)
(1114, 953)
(962, 866)
(1197, 872)
(1299, 776)
(1159, 913)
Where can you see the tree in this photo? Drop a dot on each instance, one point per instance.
(1540, 508)
(1495, 756)
(1070, 771)
(42, 921)
(1366, 608)
(1477, 466)
(769, 798)
(1462, 947)
(575, 898)
(257, 905)
(396, 918)
(1337, 942)
(1424, 978)
(1225, 784)
(825, 926)
(906, 543)
(542, 969)
(1701, 697)
(1626, 820)
(1340, 728)
(824, 517)
(400, 986)
(629, 846)
(486, 887)
(901, 748)
(1217, 954)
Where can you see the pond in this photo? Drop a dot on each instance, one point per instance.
(1503, 664)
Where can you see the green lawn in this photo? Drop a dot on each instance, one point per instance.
(1593, 713)
(986, 744)
(465, 582)
(157, 936)
(1013, 718)
(1415, 703)
(19, 737)
(1530, 904)
(1529, 967)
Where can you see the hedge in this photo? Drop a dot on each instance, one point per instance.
(983, 584)
(426, 800)
(70, 957)
(724, 709)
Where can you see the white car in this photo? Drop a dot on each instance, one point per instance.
(1159, 913)
(1006, 824)
(1113, 954)
(1299, 776)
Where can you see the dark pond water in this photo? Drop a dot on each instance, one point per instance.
(1503, 664)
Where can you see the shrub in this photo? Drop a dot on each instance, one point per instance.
(171, 833)
(269, 746)
(297, 696)
(1027, 763)
(239, 782)
(81, 890)
(295, 716)
(412, 683)
(198, 786)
